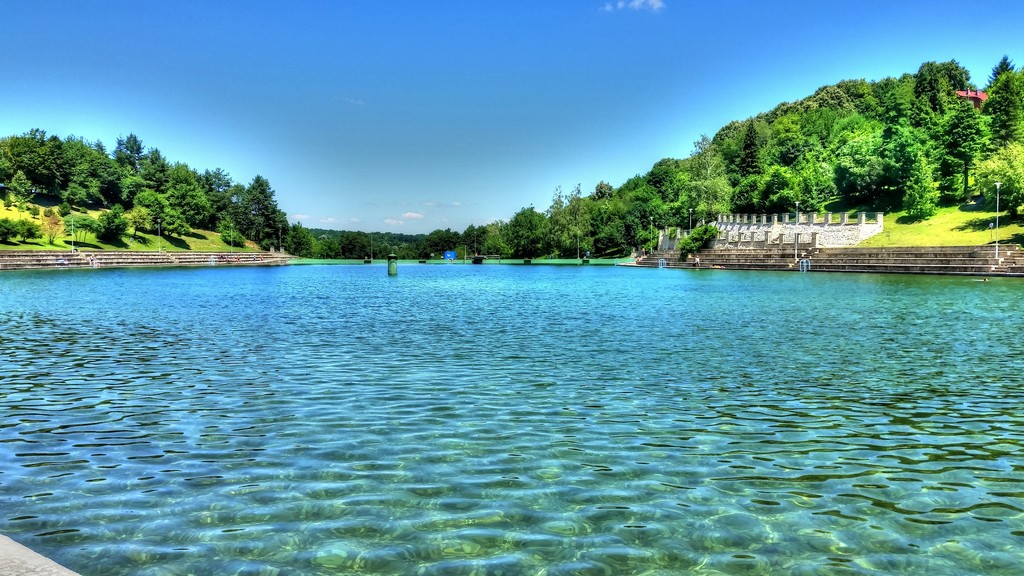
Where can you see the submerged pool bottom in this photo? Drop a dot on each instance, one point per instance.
(486, 420)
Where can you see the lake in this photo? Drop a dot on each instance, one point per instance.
(511, 420)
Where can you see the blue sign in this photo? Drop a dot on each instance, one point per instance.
(449, 254)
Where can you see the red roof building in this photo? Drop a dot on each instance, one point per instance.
(977, 97)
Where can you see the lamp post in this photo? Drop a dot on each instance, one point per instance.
(72, 232)
(652, 235)
(796, 231)
(691, 221)
(159, 237)
(998, 184)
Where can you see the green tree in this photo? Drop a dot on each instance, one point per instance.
(603, 190)
(174, 223)
(21, 189)
(78, 225)
(921, 198)
(112, 225)
(129, 152)
(709, 191)
(155, 170)
(1006, 166)
(327, 248)
(354, 245)
(859, 168)
(779, 192)
(257, 214)
(788, 140)
(439, 241)
(750, 161)
(901, 147)
(526, 233)
(1005, 107)
(473, 238)
(138, 218)
(218, 187)
(130, 185)
(815, 182)
(935, 83)
(1004, 65)
(300, 241)
(185, 193)
(495, 241)
(964, 139)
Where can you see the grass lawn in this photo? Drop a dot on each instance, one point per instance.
(966, 225)
(197, 240)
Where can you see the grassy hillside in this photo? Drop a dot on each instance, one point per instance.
(965, 225)
(198, 240)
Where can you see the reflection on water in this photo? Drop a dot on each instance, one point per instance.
(511, 420)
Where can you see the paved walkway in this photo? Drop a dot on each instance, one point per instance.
(16, 560)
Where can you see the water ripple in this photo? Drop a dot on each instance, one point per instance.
(486, 420)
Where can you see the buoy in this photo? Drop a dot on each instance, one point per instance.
(392, 265)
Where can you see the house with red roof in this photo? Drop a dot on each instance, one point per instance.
(977, 97)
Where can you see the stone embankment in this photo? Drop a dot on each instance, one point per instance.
(961, 260)
(25, 260)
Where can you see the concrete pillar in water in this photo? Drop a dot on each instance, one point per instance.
(392, 265)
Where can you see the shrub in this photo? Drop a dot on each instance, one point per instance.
(28, 229)
(8, 229)
(232, 238)
(698, 237)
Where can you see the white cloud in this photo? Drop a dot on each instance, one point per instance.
(300, 217)
(412, 216)
(393, 222)
(652, 5)
(456, 204)
(328, 220)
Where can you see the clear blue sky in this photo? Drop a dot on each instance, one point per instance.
(410, 116)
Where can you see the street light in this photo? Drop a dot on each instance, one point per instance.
(796, 230)
(653, 246)
(998, 184)
(691, 220)
(72, 232)
(159, 237)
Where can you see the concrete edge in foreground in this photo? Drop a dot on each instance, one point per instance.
(17, 560)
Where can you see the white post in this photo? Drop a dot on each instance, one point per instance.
(998, 184)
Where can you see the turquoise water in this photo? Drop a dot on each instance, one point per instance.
(511, 420)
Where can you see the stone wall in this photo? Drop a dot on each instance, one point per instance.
(817, 230)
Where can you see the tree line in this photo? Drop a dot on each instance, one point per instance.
(143, 190)
(911, 144)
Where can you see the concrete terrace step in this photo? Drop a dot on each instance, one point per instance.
(966, 260)
(23, 260)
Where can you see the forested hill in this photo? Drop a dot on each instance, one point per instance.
(908, 144)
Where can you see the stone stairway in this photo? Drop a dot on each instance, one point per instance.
(28, 259)
(963, 260)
